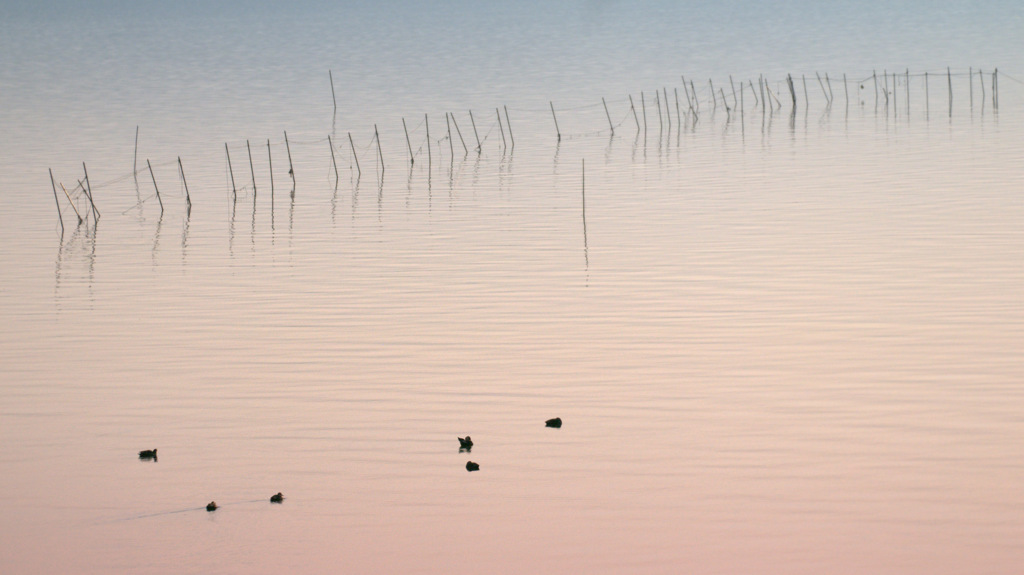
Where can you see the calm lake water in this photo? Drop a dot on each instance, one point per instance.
(779, 342)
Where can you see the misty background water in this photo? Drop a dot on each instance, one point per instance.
(784, 343)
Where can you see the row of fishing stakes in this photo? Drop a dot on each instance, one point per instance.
(86, 188)
(764, 98)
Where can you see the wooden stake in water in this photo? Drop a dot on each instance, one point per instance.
(689, 103)
(56, 199)
(430, 160)
(154, 186)
(508, 122)
(270, 162)
(479, 146)
(583, 194)
(874, 77)
(70, 201)
(555, 118)
(451, 145)
(380, 153)
(995, 89)
(643, 107)
(679, 117)
(459, 132)
(908, 90)
(88, 192)
(188, 198)
(352, 144)
(609, 116)
(981, 82)
(412, 160)
(657, 103)
(731, 84)
(970, 82)
(68, 196)
(885, 87)
(895, 100)
(741, 102)
(949, 77)
(291, 167)
(583, 201)
(503, 142)
(334, 163)
(714, 100)
(846, 91)
(252, 171)
(333, 99)
(926, 93)
(807, 99)
(792, 91)
(135, 157)
(633, 108)
(668, 112)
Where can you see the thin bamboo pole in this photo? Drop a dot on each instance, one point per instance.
(359, 172)
(333, 98)
(88, 192)
(151, 175)
(609, 116)
(479, 146)
(508, 122)
(252, 171)
(633, 108)
(502, 128)
(412, 160)
(380, 152)
(334, 163)
(188, 198)
(430, 160)
(135, 157)
(555, 118)
(643, 107)
(451, 145)
(291, 167)
(56, 200)
(668, 111)
(949, 77)
(459, 132)
(270, 162)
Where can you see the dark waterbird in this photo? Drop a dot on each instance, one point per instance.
(465, 443)
(211, 506)
(147, 454)
(277, 498)
(556, 422)
(470, 466)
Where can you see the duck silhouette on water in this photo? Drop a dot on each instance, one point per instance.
(277, 498)
(465, 443)
(470, 466)
(211, 506)
(148, 454)
(556, 422)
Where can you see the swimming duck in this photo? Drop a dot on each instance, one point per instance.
(147, 454)
(277, 498)
(470, 466)
(211, 506)
(556, 422)
(465, 442)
